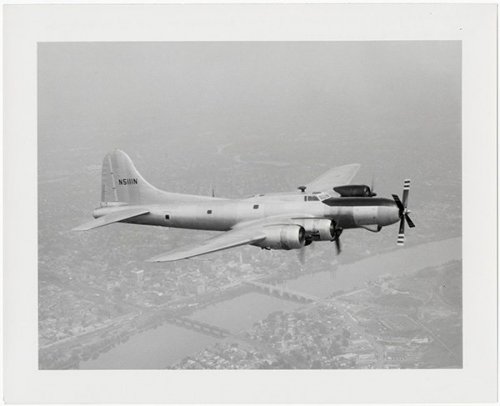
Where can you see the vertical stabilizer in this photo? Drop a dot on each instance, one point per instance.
(121, 182)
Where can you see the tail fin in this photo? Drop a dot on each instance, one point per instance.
(122, 182)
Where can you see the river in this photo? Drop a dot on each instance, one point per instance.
(167, 344)
(355, 275)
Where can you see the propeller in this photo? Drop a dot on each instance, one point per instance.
(403, 212)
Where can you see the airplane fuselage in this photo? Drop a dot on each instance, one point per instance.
(224, 214)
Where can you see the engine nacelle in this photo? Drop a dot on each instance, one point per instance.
(286, 237)
(319, 229)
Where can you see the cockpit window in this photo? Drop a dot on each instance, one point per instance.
(312, 198)
(323, 196)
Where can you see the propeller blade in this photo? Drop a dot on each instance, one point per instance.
(302, 255)
(398, 203)
(402, 226)
(338, 246)
(401, 235)
(411, 224)
(406, 191)
(401, 239)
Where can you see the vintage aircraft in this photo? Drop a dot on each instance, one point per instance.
(317, 211)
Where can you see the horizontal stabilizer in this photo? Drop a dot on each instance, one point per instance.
(110, 218)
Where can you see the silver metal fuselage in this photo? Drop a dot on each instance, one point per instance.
(223, 214)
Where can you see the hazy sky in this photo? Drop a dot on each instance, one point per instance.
(122, 89)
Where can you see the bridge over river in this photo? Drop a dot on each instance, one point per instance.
(199, 326)
(282, 292)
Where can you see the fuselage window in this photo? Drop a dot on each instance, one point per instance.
(255, 206)
(167, 216)
(209, 211)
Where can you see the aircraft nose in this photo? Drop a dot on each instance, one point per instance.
(394, 213)
(388, 214)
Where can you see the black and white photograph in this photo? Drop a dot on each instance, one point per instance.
(252, 208)
(250, 203)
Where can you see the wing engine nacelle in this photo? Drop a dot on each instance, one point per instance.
(319, 229)
(285, 237)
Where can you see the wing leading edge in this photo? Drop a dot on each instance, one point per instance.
(229, 239)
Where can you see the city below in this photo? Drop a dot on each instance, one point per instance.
(366, 314)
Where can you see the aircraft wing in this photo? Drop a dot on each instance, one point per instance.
(229, 239)
(113, 217)
(341, 175)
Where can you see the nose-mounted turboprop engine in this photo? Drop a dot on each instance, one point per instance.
(403, 212)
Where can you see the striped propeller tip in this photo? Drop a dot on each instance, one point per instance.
(401, 239)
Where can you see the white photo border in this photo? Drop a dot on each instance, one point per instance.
(474, 25)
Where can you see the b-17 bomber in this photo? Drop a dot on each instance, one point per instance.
(317, 211)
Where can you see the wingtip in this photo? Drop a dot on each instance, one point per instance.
(151, 260)
(171, 257)
(79, 228)
(159, 258)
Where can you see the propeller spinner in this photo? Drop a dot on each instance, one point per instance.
(403, 212)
